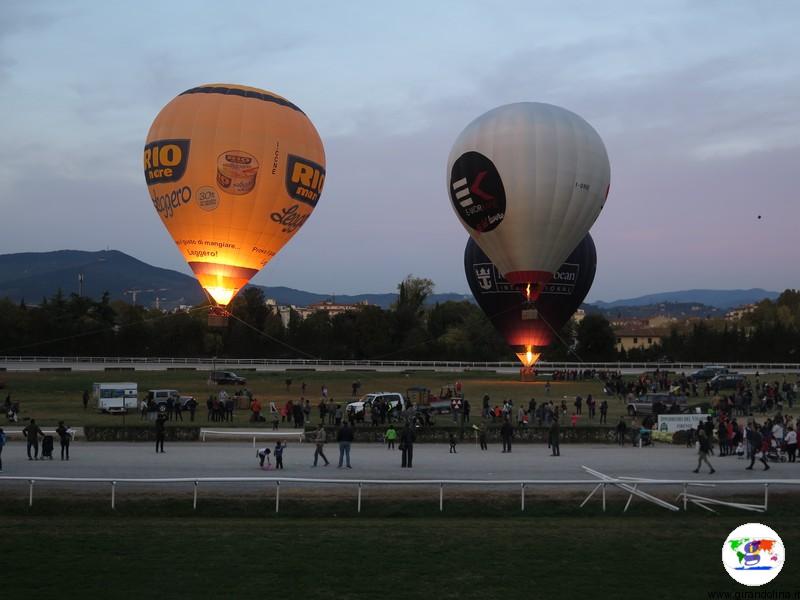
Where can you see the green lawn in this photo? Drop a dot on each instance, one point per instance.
(52, 396)
(649, 555)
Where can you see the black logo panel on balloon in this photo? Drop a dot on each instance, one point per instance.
(477, 192)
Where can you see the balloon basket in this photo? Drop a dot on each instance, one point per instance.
(527, 374)
(217, 317)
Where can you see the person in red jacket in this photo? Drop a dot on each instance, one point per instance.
(255, 407)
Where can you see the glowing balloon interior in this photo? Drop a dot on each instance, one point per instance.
(527, 181)
(233, 173)
(529, 326)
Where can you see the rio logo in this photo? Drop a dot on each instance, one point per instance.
(304, 179)
(165, 160)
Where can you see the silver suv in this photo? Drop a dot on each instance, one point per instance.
(657, 404)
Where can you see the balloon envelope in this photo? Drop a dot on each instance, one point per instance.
(528, 326)
(527, 181)
(233, 173)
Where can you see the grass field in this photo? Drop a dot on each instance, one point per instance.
(557, 552)
(52, 396)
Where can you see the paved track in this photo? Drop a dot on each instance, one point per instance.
(372, 461)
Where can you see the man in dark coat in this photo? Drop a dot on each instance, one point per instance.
(160, 427)
(407, 438)
(555, 438)
(506, 431)
(32, 432)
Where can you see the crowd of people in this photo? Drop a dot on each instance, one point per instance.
(730, 429)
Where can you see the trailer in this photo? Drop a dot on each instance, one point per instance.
(116, 397)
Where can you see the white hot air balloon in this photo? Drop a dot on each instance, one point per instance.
(527, 181)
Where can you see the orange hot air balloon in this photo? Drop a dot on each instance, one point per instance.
(233, 172)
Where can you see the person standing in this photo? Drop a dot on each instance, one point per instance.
(555, 438)
(756, 441)
(604, 412)
(85, 399)
(482, 437)
(192, 406)
(345, 438)
(453, 443)
(160, 432)
(578, 404)
(2, 444)
(506, 432)
(32, 433)
(273, 411)
(278, 452)
(407, 438)
(64, 436)
(702, 452)
(319, 439)
(391, 436)
(791, 442)
(178, 410)
(621, 428)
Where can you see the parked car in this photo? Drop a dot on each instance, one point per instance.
(727, 381)
(657, 404)
(161, 396)
(392, 399)
(226, 378)
(707, 373)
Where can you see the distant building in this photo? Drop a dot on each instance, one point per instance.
(628, 339)
(737, 313)
(328, 306)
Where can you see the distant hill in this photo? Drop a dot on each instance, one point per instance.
(723, 299)
(677, 310)
(32, 276)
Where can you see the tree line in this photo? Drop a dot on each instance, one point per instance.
(410, 329)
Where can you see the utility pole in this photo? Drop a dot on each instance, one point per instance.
(80, 285)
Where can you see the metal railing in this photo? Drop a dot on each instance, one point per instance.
(254, 434)
(221, 363)
(630, 485)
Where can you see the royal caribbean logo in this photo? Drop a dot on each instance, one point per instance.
(491, 281)
(753, 554)
(165, 160)
(304, 179)
(563, 281)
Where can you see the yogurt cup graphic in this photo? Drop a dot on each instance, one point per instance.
(236, 172)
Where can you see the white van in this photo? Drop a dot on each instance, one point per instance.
(115, 397)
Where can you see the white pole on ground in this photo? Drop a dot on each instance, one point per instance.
(522, 496)
(194, 501)
(113, 495)
(597, 487)
(628, 503)
(254, 441)
(30, 493)
(604, 497)
(277, 495)
(441, 496)
(685, 503)
(359, 496)
(766, 496)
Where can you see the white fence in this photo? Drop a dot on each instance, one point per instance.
(300, 435)
(632, 486)
(208, 364)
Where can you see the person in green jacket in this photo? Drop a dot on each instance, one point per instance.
(390, 437)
